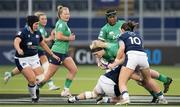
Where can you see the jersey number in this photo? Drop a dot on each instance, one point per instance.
(135, 40)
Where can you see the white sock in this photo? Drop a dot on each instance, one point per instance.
(106, 100)
(161, 97)
(125, 95)
(32, 91)
(45, 66)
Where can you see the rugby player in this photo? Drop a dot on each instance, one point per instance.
(26, 57)
(41, 53)
(63, 37)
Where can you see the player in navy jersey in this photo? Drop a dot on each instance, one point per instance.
(132, 46)
(107, 85)
(41, 53)
(26, 57)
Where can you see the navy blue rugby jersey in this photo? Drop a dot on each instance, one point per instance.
(114, 74)
(29, 42)
(132, 41)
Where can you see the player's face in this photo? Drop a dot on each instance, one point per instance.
(99, 54)
(43, 20)
(35, 26)
(112, 20)
(65, 15)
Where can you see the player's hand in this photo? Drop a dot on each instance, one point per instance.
(20, 52)
(110, 66)
(56, 57)
(72, 37)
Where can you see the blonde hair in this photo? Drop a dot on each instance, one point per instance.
(39, 13)
(60, 9)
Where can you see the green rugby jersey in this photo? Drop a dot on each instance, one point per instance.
(61, 46)
(111, 51)
(110, 33)
(43, 33)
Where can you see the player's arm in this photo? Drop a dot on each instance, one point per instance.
(46, 48)
(120, 56)
(17, 42)
(60, 36)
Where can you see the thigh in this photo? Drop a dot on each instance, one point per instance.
(28, 73)
(105, 86)
(38, 71)
(70, 64)
(146, 73)
(125, 74)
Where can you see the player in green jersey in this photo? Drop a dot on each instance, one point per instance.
(63, 37)
(41, 53)
(110, 31)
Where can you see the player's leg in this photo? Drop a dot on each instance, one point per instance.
(45, 65)
(72, 70)
(124, 76)
(87, 94)
(166, 80)
(9, 74)
(51, 71)
(107, 90)
(151, 84)
(31, 78)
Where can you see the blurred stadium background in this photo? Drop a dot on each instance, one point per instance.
(159, 23)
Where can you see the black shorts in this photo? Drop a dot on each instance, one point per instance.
(41, 52)
(61, 56)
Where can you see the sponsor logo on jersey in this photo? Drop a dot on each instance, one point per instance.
(37, 36)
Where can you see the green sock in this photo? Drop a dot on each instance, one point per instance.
(68, 83)
(12, 74)
(159, 94)
(162, 78)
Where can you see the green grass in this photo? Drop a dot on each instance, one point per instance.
(85, 80)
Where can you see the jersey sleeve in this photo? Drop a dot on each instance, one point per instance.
(19, 34)
(40, 37)
(102, 34)
(61, 28)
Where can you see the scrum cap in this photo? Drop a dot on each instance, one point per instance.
(31, 20)
(111, 12)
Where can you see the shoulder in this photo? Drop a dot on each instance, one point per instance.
(60, 24)
(105, 26)
(121, 21)
(23, 31)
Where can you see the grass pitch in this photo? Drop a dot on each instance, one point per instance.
(85, 80)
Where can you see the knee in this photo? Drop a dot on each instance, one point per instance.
(32, 81)
(40, 78)
(74, 71)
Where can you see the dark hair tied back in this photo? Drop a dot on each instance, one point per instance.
(129, 26)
